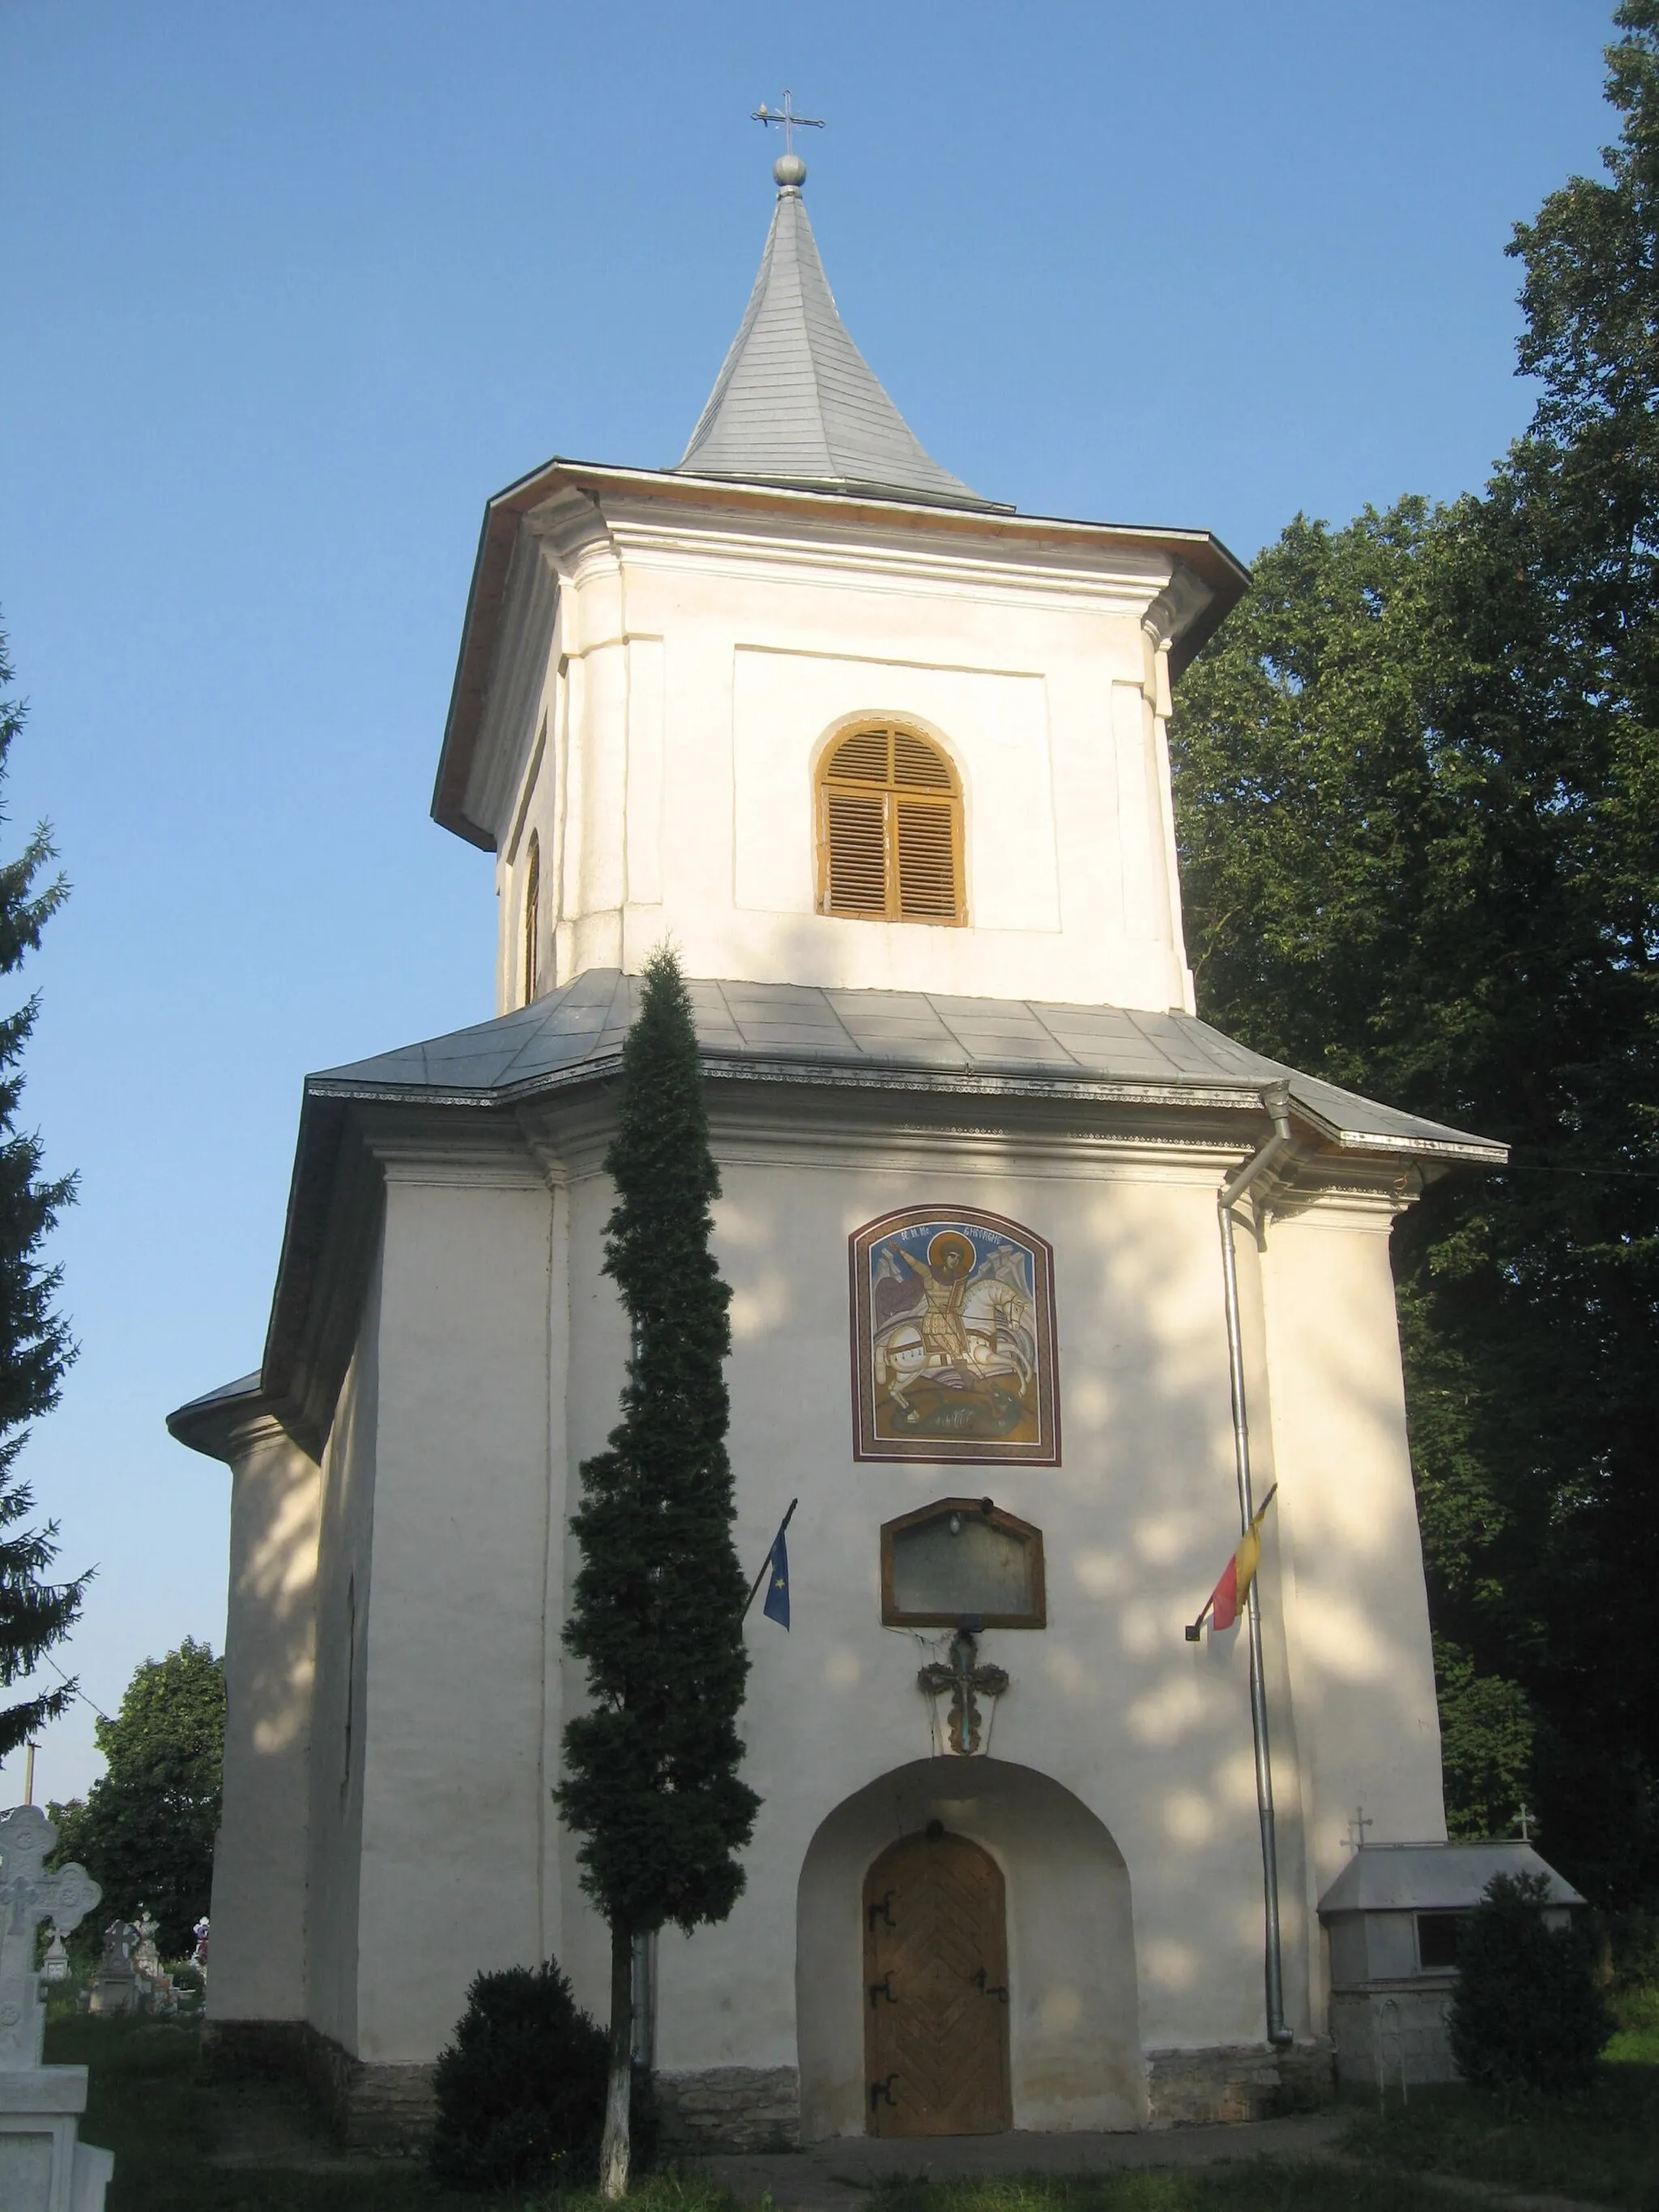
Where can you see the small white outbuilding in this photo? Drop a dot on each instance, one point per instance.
(888, 762)
(1392, 1918)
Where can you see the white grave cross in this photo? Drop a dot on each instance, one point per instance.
(29, 1895)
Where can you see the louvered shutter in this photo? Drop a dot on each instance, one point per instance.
(917, 764)
(926, 862)
(855, 836)
(863, 759)
(890, 829)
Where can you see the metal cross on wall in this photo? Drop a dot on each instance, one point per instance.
(790, 121)
(962, 1679)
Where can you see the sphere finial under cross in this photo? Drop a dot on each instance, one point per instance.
(789, 171)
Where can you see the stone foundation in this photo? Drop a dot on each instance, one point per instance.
(729, 2108)
(1400, 2024)
(388, 2111)
(1246, 2081)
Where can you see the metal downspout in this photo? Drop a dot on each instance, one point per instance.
(1276, 1101)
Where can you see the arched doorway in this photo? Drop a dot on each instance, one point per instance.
(936, 1975)
(1072, 2020)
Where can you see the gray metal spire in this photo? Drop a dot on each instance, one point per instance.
(796, 402)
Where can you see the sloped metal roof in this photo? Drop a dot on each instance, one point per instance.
(796, 402)
(1430, 1877)
(912, 1039)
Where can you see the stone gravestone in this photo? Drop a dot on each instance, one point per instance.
(154, 1984)
(55, 1966)
(43, 2167)
(146, 1959)
(115, 1987)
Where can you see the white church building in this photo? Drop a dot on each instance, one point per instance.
(886, 762)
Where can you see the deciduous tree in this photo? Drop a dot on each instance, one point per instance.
(146, 1829)
(1417, 788)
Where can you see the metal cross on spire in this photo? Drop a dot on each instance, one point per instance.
(790, 121)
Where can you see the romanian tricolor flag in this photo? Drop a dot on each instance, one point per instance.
(1226, 1600)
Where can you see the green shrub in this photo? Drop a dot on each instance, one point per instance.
(522, 2089)
(1527, 2014)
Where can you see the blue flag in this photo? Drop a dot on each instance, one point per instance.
(776, 1606)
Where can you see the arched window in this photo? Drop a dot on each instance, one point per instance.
(532, 916)
(889, 829)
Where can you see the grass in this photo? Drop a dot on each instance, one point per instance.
(1253, 2184)
(1602, 2147)
(149, 2105)
(147, 2102)
(1636, 2043)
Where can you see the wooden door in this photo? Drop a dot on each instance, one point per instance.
(935, 1990)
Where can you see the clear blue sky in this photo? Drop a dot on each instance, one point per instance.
(291, 287)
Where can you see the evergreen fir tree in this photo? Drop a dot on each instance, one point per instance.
(36, 1347)
(651, 1773)
(1526, 2014)
(520, 2091)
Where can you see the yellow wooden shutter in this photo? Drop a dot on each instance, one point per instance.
(917, 764)
(856, 838)
(862, 758)
(889, 829)
(926, 862)
(533, 918)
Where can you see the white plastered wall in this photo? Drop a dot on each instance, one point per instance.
(691, 679)
(463, 1865)
(453, 1803)
(1150, 1735)
(1354, 1601)
(259, 1864)
(345, 1595)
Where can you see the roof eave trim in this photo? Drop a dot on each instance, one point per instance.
(213, 1423)
(1014, 1080)
(856, 488)
(1225, 575)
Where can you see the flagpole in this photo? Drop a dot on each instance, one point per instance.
(766, 1561)
(1276, 1100)
(1194, 1631)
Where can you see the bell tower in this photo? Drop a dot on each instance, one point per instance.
(663, 670)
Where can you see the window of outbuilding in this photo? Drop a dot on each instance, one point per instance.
(889, 829)
(1437, 1939)
(532, 917)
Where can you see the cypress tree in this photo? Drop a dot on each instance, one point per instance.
(36, 1347)
(650, 1772)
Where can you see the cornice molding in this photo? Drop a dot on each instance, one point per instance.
(1176, 607)
(1124, 588)
(909, 537)
(436, 1153)
(232, 1429)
